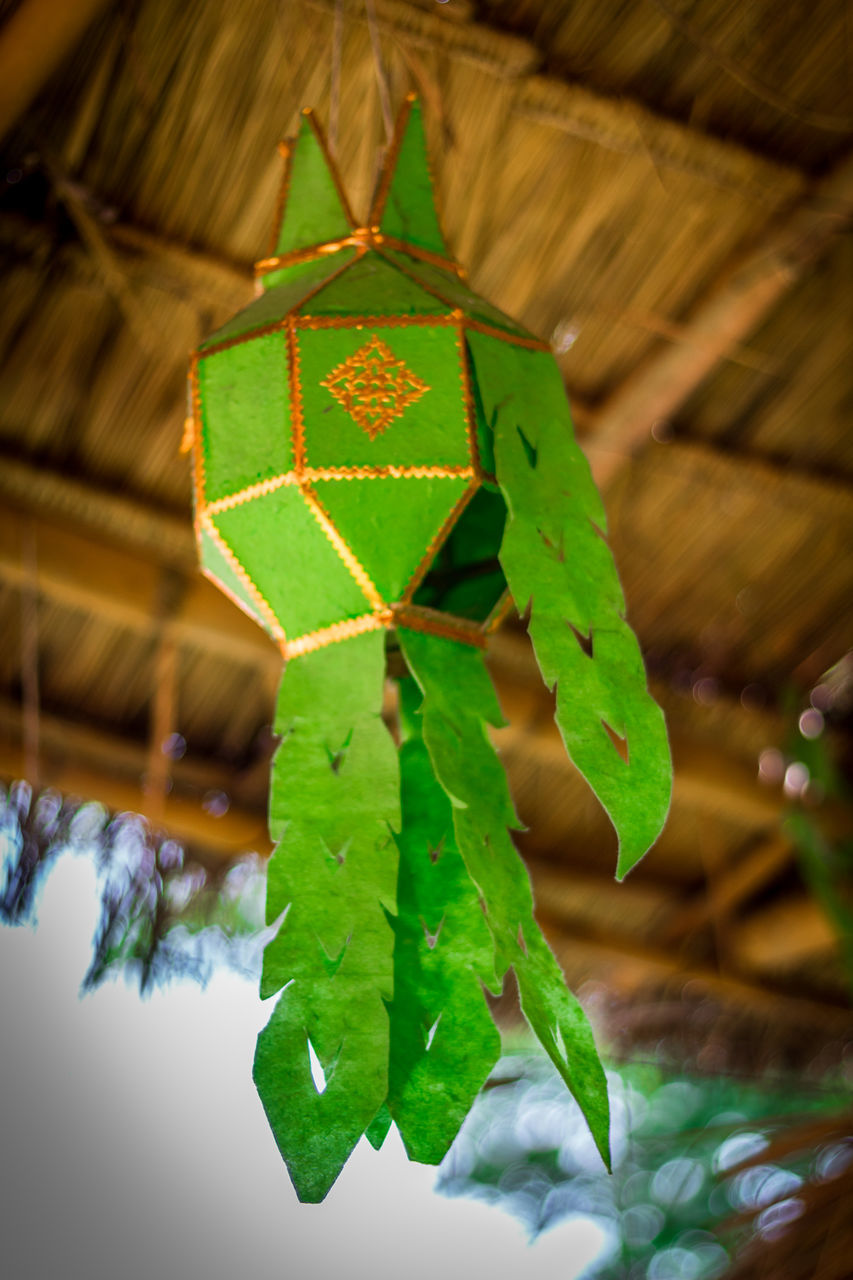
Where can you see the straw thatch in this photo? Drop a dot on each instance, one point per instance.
(663, 190)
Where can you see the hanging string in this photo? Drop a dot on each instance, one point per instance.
(335, 91)
(381, 77)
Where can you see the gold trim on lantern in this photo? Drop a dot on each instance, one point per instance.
(362, 239)
(308, 321)
(359, 239)
(415, 618)
(378, 239)
(198, 443)
(533, 344)
(275, 326)
(263, 606)
(389, 163)
(502, 610)
(259, 490)
(420, 618)
(516, 339)
(374, 373)
(390, 472)
(313, 474)
(308, 112)
(285, 149)
(436, 543)
(468, 398)
(297, 422)
(337, 632)
(342, 547)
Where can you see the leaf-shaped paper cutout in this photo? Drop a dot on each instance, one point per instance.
(557, 561)
(458, 704)
(334, 950)
(443, 1040)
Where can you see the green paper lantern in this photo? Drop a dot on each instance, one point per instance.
(380, 455)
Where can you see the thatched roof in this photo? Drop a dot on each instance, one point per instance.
(663, 191)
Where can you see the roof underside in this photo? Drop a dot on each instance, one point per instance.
(665, 193)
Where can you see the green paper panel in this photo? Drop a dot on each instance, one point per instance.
(474, 599)
(454, 292)
(409, 212)
(389, 523)
(477, 536)
(292, 286)
(214, 561)
(466, 578)
(313, 212)
(556, 560)
(245, 411)
(458, 704)
(443, 1040)
(371, 287)
(334, 800)
(286, 553)
(485, 433)
(431, 431)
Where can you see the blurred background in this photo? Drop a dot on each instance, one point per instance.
(664, 190)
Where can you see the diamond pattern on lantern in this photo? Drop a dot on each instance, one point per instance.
(374, 386)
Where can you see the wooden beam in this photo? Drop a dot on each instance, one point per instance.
(124, 587)
(33, 43)
(619, 124)
(734, 885)
(166, 535)
(705, 780)
(635, 915)
(782, 936)
(630, 968)
(98, 575)
(87, 509)
(747, 291)
(579, 898)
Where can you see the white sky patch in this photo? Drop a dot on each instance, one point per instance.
(134, 1143)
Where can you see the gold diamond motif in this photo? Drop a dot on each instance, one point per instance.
(374, 386)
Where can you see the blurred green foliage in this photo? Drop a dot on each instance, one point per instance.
(679, 1183)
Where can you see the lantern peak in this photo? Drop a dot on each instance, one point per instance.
(403, 206)
(312, 205)
(313, 216)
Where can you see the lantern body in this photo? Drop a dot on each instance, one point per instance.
(340, 441)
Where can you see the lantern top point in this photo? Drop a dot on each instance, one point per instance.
(313, 208)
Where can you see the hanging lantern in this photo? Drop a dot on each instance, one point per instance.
(384, 460)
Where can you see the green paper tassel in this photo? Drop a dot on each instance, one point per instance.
(458, 705)
(557, 562)
(333, 803)
(443, 1040)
